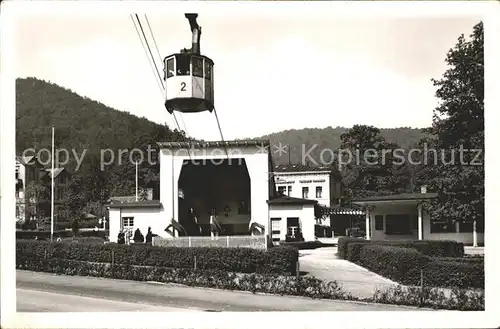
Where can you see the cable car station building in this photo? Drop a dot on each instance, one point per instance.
(210, 188)
(214, 189)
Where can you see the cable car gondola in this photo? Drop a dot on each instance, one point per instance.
(189, 78)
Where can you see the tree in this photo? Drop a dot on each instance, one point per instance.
(458, 123)
(372, 168)
(35, 192)
(75, 226)
(75, 196)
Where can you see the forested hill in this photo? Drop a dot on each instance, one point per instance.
(79, 121)
(84, 123)
(329, 138)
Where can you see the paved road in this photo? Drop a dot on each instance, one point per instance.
(43, 301)
(43, 292)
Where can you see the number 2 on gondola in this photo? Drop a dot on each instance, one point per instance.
(183, 86)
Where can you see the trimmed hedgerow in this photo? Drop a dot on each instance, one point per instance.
(343, 243)
(281, 259)
(45, 235)
(462, 300)
(304, 245)
(399, 264)
(267, 283)
(408, 266)
(454, 274)
(441, 248)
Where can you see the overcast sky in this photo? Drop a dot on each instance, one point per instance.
(271, 73)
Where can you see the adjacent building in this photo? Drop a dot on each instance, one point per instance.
(33, 183)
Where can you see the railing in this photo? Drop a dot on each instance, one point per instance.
(247, 241)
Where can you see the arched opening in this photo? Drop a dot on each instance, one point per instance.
(219, 188)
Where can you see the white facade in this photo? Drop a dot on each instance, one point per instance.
(258, 165)
(159, 215)
(415, 219)
(279, 213)
(136, 218)
(20, 190)
(312, 185)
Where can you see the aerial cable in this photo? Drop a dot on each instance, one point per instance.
(156, 73)
(160, 84)
(159, 56)
(220, 131)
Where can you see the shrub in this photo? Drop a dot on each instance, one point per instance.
(91, 239)
(343, 243)
(75, 227)
(40, 235)
(284, 285)
(354, 250)
(281, 259)
(462, 300)
(404, 265)
(305, 245)
(274, 284)
(399, 264)
(455, 274)
(442, 248)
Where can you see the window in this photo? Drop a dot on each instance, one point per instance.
(208, 70)
(442, 227)
(281, 189)
(379, 223)
(59, 193)
(276, 228)
(183, 64)
(276, 225)
(170, 69)
(197, 66)
(18, 211)
(398, 224)
(289, 190)
(305, 192)
(468, 226)
(292, 224)
(319, 192)
(128, 222)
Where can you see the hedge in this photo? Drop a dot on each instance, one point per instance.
(399, 264)
(304, 245)
(454, 274)
(404, 265)
(275, 284)
(45, 235)
(281, 259)
(462, 300)
(284, 285)
(443, 248)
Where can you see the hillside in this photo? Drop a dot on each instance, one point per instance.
(83, 123)
(329, 138)
(79, 121)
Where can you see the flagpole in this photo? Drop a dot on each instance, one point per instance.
(52, 191)
(136, 181)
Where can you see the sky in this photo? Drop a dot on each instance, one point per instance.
(272, 72)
